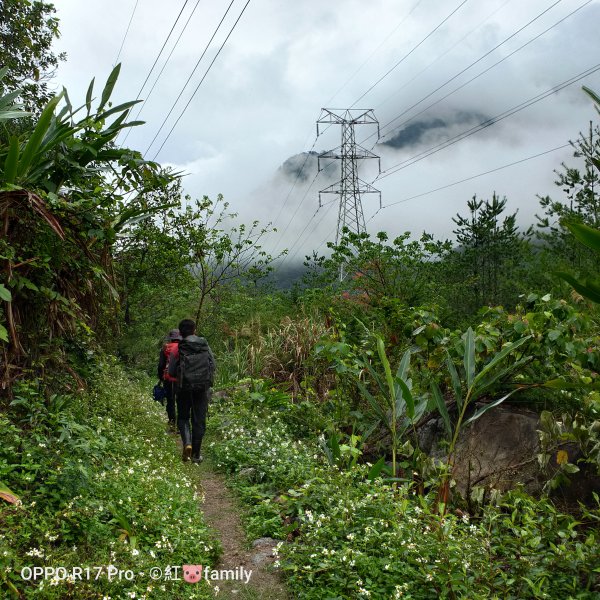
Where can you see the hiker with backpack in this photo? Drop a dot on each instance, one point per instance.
(193, 365)
(168, 381)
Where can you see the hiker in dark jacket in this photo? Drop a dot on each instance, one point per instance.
(193, 365)
(169, 382)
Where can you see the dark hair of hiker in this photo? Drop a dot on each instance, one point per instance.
(187, 327)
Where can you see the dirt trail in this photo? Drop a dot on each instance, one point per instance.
(222, 513)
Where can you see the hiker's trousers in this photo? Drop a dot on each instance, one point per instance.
(192, 406)
(170, 391)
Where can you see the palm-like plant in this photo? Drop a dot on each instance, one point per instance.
(394, 405)
(476, 385)
(62, 204)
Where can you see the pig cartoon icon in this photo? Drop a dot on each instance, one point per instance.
(192, 573)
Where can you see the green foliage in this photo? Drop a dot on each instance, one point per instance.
(590, 237)
(570, 443)
(349, 535)
(62, 213)
(582, 206)
(101, 483)
(27, 31)
(393, 405)
(476, 383)
(489, 253)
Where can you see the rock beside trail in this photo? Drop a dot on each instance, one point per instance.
(262, 552)
(499, 451)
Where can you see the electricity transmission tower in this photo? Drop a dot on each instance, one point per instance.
(350, 186)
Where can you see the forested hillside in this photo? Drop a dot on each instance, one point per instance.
(350, 406)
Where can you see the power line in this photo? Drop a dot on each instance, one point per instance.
(156, 61)
(126, 32)
(443, 187)
(411, 51)
(161, 50)
(187, 22)
(469, 66)
(190, 77)
(298, 207)
(484, 124)
(296, 179)
(298, 175)
(448, 50)
(203, 78)
(328, 103)
(291, 256)
(352, 76)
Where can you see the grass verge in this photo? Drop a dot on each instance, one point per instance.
(104, 497)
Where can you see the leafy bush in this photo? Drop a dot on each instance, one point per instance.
(101, 484)
(346, 536)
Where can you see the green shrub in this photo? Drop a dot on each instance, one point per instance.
(101, 483)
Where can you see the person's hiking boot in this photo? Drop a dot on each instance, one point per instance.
(197, 458)
(187, 452)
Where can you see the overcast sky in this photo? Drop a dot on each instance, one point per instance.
(254, 114)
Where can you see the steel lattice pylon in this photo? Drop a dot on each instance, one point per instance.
(350, 186)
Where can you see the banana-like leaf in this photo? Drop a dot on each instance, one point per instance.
(585, 234)
(387, 370)
(376, 377)
(115, 109)
(581, 288)
(11, 162)
(130, 124)
(374, 404)
(400, 404)
(455, 380)
(7, 115)
(469, 357)
(441, 406)
(420, 408)
(376, 469)
(8, 100)
(109, 87)
(403, 366)
(510, 347)
(486, 384)
(7, 495)
(35, 141)
(487, 407)
(88, 97)
(408, 398)
(592, 95)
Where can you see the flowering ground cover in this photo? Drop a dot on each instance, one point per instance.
(101, 484)
(345, 536)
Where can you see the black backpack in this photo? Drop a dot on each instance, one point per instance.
(196, 366)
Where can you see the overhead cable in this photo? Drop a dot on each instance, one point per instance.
(410, 52)
(484, 124)
(486, 54)
(126, 32)
(192, 74)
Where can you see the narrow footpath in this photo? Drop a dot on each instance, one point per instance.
(222, 513)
